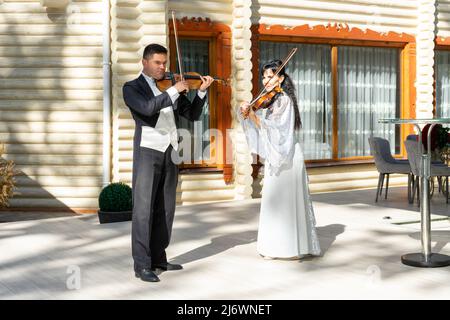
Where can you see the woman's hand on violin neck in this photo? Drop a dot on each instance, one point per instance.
(182, 86)
(206, 82)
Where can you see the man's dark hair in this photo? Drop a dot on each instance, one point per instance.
(153, 48)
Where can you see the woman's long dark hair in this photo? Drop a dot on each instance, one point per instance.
(288, 86)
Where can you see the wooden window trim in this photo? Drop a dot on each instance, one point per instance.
(220, 66)
(327, 163)
(339, 35)
(336, 32)
(201, 170)
(442, 43)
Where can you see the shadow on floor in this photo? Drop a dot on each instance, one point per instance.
(14, 216)
(327, 235)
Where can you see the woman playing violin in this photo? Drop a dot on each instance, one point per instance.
(287, 222)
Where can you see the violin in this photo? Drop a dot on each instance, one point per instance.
(266, 100)
(192, 78)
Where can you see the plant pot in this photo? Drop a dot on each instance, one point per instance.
(108, 217)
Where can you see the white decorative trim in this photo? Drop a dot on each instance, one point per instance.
(242, 91)
(426, 29)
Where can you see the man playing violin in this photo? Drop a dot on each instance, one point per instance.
(155, 175)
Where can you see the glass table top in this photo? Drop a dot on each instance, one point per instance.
(414, 121)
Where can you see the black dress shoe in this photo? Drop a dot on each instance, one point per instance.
(167, 266)
(146, 274)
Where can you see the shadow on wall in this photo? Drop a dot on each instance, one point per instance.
(56, 157)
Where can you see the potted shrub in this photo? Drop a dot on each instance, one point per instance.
(115, 202)
(440, 139)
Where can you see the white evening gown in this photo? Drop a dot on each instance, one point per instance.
(286, 223)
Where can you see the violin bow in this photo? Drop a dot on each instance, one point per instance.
(286, 60)
(176, 44)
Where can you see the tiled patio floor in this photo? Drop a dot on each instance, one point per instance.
(216, 243)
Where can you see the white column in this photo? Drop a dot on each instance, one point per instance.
(241, 91)
(425, 35)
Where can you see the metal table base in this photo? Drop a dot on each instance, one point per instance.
(425, 259)
(434, 260)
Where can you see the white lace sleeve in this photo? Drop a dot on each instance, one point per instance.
(252, 134)
(277, 133)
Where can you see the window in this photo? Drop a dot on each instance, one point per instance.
(206, 48)
(442, 66)
(368, 81)
(367, 89)
(195, 57)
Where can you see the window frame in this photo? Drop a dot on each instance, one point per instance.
(336, 36)
(219, 37)
(212, 95)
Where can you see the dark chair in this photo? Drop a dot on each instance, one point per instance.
(386, 164)
(415, 161)
(415, 137)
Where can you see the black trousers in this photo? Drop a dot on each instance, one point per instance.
(154, 201)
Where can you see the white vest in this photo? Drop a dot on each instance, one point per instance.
(165, 131)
